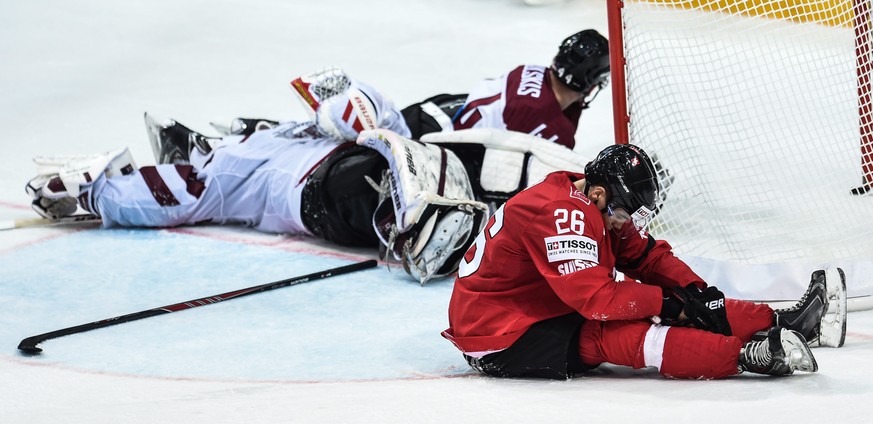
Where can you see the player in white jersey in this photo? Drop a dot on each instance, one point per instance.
(308, 178)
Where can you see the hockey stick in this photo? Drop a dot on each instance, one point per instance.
(12, 224)
(28, 345)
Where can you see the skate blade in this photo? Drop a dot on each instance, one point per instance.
(798, 353)
(153, 130)
(833, 322)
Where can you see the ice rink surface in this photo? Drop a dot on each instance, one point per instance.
(76, 77)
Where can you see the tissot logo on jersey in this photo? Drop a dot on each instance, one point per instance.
(562, 248)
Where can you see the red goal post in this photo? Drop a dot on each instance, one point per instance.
(761, 112)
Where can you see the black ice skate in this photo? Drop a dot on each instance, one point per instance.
(173, 143)
(820, 315)
(777, 351)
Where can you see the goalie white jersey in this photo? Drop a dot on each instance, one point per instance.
(255, 180)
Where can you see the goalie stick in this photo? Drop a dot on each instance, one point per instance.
(28, 345)
(12, 224)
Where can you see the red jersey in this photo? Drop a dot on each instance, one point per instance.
(545, 253)
(523, 101)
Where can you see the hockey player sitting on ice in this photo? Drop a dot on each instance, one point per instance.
(536, 295)
(308, 178)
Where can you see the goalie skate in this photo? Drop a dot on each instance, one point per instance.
(173, 143)
(820, 315)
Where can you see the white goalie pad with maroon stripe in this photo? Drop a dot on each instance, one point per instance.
(420, 174)
(432, 216)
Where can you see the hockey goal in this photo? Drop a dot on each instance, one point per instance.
(761, 112)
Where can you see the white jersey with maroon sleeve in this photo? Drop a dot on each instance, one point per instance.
(546, 253)
(523, 101)
(256, 180)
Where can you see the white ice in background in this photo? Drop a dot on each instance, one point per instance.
(75, 77)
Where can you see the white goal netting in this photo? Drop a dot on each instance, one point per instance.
(759, 109)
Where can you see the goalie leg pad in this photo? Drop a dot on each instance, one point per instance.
(513, 160)
(431, 196)
(441, 243)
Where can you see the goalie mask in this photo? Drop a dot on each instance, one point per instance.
(629, 176)
(582, 63)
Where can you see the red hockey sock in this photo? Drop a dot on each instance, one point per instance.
(677, 352)
(692, 353)
(747, 318)
(616, 342)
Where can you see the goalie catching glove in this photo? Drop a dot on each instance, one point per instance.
(703, 309)
(342, 107)
(426, 216)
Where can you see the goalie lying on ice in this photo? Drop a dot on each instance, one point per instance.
(414, 199)
(308, 178)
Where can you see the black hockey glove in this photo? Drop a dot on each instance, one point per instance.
(704, 309)
(671, 307)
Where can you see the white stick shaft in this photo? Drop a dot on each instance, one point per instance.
(12, 224)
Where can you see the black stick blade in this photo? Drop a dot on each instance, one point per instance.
(28, 346)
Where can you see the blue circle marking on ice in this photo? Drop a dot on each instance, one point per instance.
(368, 325)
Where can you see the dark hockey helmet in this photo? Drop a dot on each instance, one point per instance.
(628, 175)
(582, 62)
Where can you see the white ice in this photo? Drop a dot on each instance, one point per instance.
(76, 76)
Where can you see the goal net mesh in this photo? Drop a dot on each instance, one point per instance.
(757, 111)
